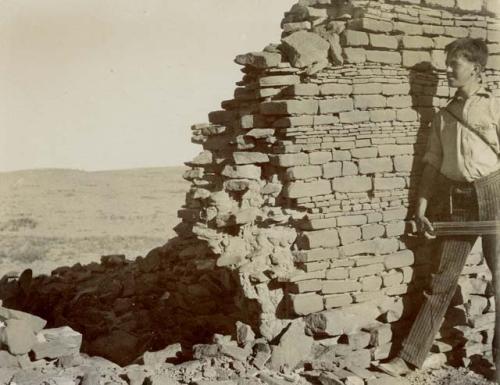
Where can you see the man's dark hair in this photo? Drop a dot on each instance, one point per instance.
(474, 50)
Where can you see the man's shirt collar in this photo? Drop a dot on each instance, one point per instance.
(481, 91)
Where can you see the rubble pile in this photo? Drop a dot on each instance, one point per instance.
(123, 308)
(32, 355)
(296, 222)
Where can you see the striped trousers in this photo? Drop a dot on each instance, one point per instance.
(453, 252)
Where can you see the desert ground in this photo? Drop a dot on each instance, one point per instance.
(58, 217)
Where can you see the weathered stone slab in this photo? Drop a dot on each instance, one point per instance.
(259, 59)
(246, 157)
(57, 342)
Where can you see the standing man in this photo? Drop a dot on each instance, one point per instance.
(462, 160)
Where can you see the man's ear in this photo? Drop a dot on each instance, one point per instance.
(478, 69)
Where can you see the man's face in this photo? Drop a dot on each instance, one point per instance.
(460, 71)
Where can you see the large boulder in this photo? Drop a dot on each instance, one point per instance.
(304, 49)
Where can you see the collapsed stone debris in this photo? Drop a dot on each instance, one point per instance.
(296, 223)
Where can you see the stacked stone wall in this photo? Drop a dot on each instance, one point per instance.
(308, 175)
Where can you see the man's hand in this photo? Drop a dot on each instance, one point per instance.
(424, 226)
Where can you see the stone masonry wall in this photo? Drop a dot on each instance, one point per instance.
(308, 175)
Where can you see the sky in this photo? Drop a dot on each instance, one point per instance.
(113, 84)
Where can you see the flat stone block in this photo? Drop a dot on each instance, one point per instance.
(395, 149)
(372, 231)
(337, 273)
(318, 223)
(320, 157)
(304, 304)
(367, 270)
(250, 157)
(337, 300)
(395, 214)
(318, 254)
(412, 58)
(278, 80)
(289, 160)
(332, 170)
(383, 41)
(351, 220)
(303, 89)
(406, 115)
(304, 172)
(370, 25)
(400, 101)
(59, 342)
(440, 3)
(354, 55)
(340, 286)
(382, 115)
(370, 166)
(335, 89)
(320, 238)
(364, 152)
(302, 189)
(367, 89)
(352, 184)
(400, 259)
(395, 89)
(433, 30)
(386, 57)
(395, 229)
(371, 284)
(349, 234)
(363, 102)
(388, 183)
(284, 107)
(470, 5)
(408, 28)
(354, 116)
(332, 106)
(456, 32)
(417, 42)
(353, 38)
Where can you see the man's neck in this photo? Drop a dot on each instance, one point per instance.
(469, 89)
